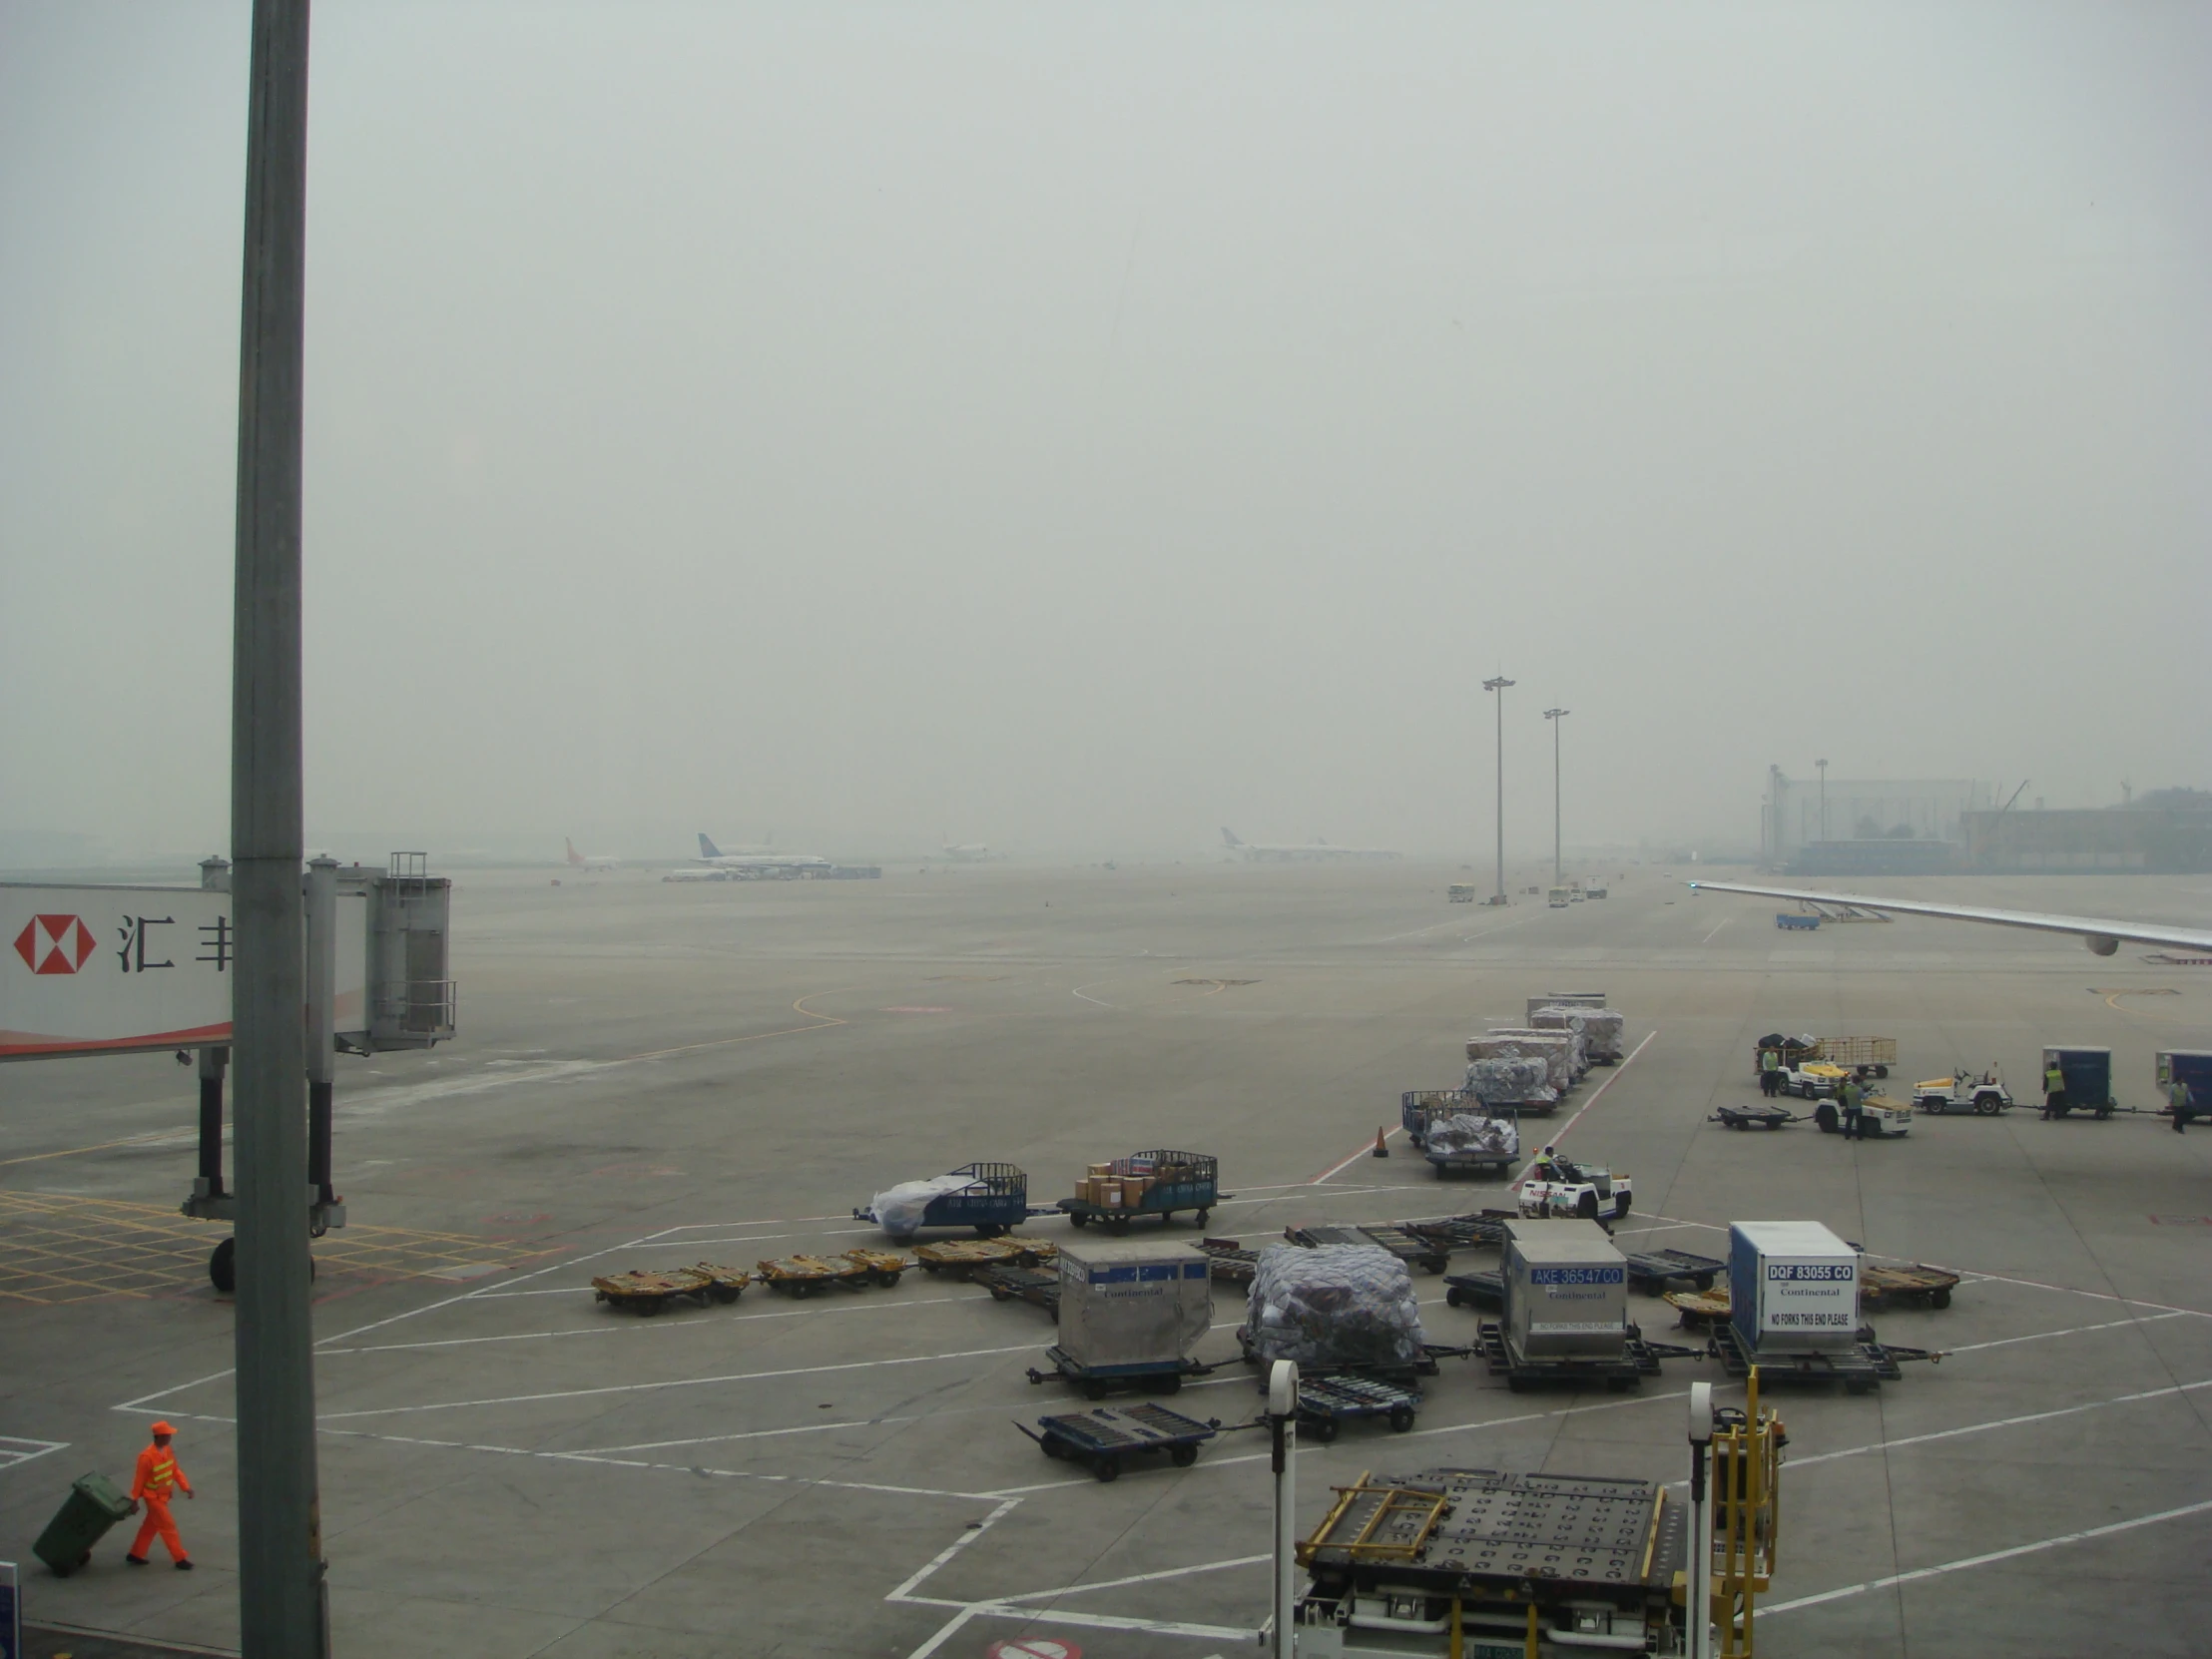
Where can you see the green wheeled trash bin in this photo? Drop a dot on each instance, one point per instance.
(94, 1505)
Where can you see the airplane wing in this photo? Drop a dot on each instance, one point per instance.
(2101, 936)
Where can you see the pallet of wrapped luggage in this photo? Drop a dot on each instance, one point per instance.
(1472, 1139)
(1338, 1308)
(1144, 1184)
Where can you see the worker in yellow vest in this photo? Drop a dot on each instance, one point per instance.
(2055, 1090)
(157, 1473)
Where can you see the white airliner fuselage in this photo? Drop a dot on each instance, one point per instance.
(708, 853)
(1260, 853)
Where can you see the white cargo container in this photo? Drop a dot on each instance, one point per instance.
(1566, 1291)
(1132, 1302)
(1793, 1287)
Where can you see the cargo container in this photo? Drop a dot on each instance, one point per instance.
(1793, 1287)
(2192, 1066)
(1566, 999)
(1132, 1302)
(2088, 1073)
(1566, 1291)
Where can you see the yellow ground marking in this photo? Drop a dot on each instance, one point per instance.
(823, 1022)
(59, 1248)
(101, 1146)
(2112, 998)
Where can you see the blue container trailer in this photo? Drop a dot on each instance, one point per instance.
(2088, 1074)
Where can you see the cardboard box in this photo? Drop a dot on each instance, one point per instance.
(1132, 1189)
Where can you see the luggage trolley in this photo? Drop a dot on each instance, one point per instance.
(1177, 1181)
(1324, 1404)
(996, 1201)
(1419, 1254)
(1100, 1438)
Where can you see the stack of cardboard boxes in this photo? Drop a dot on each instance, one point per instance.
(1106, 1186)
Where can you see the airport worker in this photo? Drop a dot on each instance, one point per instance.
(158, 1471)
(1770, 1073)
(2178, 1093)
(2054, 1089)
(1851, 1094)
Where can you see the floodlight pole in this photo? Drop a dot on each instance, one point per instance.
(1558, 865)
(1498, 685)
(1698, 1592)
(281, 1586)
(1281, 1416)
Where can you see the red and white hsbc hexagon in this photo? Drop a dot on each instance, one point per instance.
(54, 944)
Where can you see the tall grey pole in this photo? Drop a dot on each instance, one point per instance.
(281, 1591)
(1558, 865)
(1498, 685)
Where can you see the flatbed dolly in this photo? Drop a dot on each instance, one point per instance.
(1913, 1287)
(1638, 1359)
(1009, 1282)
(1699, 1309)
(1403, 1372)
(1755, 1117)
(1326, 1403)
(801, 1275)
(1150, 1377)
(1479, 1230)
(963, 1258)
(1475, 1290)
(1413, 1251)
(647, 1293)
(1649, 1270)
(1101, 1437)
(1227, 1262)
(1861, 1368)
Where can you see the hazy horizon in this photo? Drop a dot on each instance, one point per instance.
(1082, 428)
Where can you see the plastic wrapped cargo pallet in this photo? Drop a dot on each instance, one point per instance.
(899, 1209)
(1511, 1082)
(1132, 1302)
(1463, 1133)
(1599, 1028)
(1566, 1291)
(1555, 1048)
(1578, 1051)
(1793, 1287)
(1565, 999)
(1333, 1305)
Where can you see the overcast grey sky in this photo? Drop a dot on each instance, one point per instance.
(1081, 426)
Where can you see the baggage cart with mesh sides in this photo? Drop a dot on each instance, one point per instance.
(1171, 1182)
(994, 1201)
(1100, 1439)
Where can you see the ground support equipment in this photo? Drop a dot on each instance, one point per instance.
(1755, 1117)
(1472, 1562)
(801, 1275)
(1475, 1290)
(1324, 1404)
(1861, 1368)
(648, 1293)
(1649, 1270)
(1913, 1287)
(1476, 1164)
(1637, 1361)
(963, 1258)
(1788, 924)
(1151, 1377)
(1180, 1181)
(1101, 1437)
(1008, 1283)
(996, 1201)
(1414, 1252)
(1227, 1262)
(1699, 1309)
(1402, 1372)
(1482, 1229)
(1416, 1106)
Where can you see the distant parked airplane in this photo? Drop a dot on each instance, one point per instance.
(708, 853)
(1261, 853)
(974, 853)
(590, 864)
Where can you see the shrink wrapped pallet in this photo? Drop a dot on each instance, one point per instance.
(1599, 1028)
(1130, 1302)
(1564, 1000)
(1578, 1053)
(898, 1210)
(1333, 1305)
(1511, 1081)
(1463, 1135)
(1555, 1048)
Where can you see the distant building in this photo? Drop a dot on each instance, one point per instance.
(2140, 838)
(1861, 827)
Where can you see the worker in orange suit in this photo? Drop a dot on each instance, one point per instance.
(157, 1473)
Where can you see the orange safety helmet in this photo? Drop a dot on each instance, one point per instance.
(163, 1429)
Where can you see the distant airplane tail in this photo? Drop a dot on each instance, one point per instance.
(1229, 837)
(574, 856)
(707, 849)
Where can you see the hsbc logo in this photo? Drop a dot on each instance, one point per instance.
(54, 944)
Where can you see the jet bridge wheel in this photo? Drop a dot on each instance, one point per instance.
(222, 1267)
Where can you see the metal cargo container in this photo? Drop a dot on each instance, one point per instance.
(1793, 1287)
(2192, 1066)
(1566, 1291)
(2089, 1076)
(1132, 1302)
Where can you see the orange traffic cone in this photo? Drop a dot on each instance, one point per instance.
(1381, 1151)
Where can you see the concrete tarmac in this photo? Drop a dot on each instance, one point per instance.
(651, 1074)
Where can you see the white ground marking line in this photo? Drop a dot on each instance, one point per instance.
(745, 1434)
(1133, 1578)
(1315, 1189)
(2001, 1423)
(14, 1450)
(1339, 1168)
(1725, 921)
(1994, 1555)
(1599, 1094)
(945, 1632)
(1079, 991)
(1670, 1227)
(2075, 1331)
(675, 1382)
(612, 1330)
(928, 1569)
(1098, 1621)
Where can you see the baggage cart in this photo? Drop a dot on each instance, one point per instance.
(1148, 1376)
(1227, 1262)
(1416, 1106)
(1008, 1283)
(1649, 1270)
(1475, 1161)
(996, 1201)
(1755, 1117)
(963, 1258)
(1485, 1291)
(94, 1505)
(1402, 1372)
(1861, 1368)
(1913, 1287)
(1791, 923)
(1326, 1403)
(1102, 1437)
(1477, 1230)
(1413, 1251)
(1176, 1181)
(1636, 1361)
(647, 1293)
(803, 1276)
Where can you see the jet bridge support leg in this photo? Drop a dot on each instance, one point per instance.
(212, 1063)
